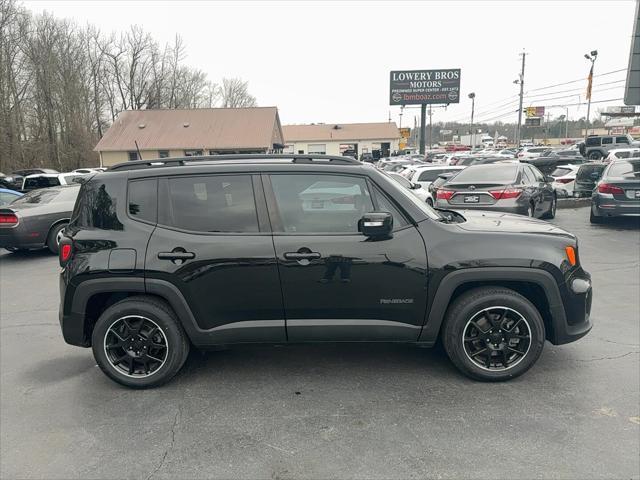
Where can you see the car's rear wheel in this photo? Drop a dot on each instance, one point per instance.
(493, 334)
(139, 343)
(54, 237)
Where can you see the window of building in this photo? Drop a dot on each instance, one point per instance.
(317, 149)
(163, 153)
(192, 153)
(321, 203)
(133, 156)
(216, 203)
(143, 200)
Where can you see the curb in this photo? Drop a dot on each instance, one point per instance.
(574, 202)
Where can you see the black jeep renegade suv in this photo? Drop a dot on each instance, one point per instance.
(164, 255)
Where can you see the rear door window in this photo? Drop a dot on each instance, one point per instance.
(143, 199)
(212, 204)
(607, 140)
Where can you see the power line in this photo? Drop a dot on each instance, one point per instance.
(573, 89)
(578, 80)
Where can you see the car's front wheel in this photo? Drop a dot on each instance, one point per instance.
(493, 334)
(139, 343)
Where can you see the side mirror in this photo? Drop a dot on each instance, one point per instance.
(416, 186)
(376, 224)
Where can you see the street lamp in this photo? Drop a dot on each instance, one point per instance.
(592, 59)
(472, 96)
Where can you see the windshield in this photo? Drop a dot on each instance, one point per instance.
(505, 173)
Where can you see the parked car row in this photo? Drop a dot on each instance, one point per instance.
(528, 186)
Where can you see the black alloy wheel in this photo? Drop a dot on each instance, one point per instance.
(136, 346)
(497, 338)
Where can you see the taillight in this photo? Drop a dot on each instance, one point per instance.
(564, 180)
(442, 194)
(506, 193)
(606, 188)
(8, 219)
(66, 251)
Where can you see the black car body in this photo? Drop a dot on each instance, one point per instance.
(617, 194)
(548, 164)
(275, 249)
(587, 177)
(507, 187)
(37, 219)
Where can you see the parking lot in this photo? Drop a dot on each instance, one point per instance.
(327, 411)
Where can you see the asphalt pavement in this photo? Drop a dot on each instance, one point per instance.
(326, 411)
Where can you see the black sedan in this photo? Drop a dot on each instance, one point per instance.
(37, 219)
(504, 187)
(618, 192)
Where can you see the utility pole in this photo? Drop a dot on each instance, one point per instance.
(566, 127)
(521, 82)
(401, 112)
(546, 129)
(430, 128)
(592, 59)
(472, 96)
(423, 115)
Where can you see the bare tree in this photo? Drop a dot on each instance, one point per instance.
(61, 86)
(235, 94)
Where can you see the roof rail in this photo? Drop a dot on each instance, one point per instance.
(179, 161)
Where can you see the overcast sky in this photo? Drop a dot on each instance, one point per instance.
(330, 62)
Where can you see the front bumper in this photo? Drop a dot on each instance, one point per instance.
(572, 319)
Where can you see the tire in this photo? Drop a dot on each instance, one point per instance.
(594, 218)
(429, 202)
(141, 323)
(595, 155)
(521, 318)
(53, 239)
(552, 209)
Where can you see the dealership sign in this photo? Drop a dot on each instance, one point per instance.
(415, 87)
(535, 112)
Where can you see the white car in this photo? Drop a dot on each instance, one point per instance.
(564, 179)
(415, 188)
(88, 170)
(617, 153)
(532, 152)
(425, 174)
(44, 180)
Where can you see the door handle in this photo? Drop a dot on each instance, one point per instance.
(301, 255)
(176, 255)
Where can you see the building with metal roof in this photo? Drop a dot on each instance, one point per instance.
(378, 139)
(154, 134)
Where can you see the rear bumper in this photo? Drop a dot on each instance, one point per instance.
(515, 209)
(607, 206)
(20, 237)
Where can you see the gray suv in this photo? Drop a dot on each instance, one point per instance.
(598, 146)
